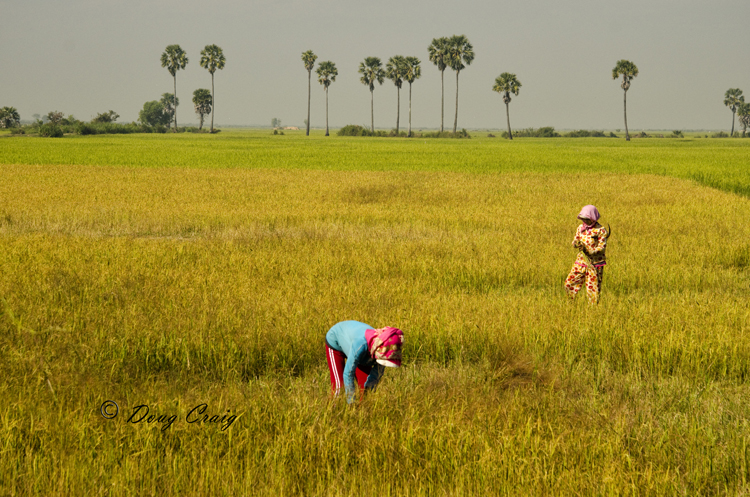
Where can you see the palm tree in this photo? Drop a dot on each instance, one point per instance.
(212, 58)
(394, 70)
(174, 59)
(460, 55)
(372, 71)
(9, 117)
(309, 59)
(743, 112)
(412, 72)
(169, 103)
(506, 84)
(438, 51)
(327, 73)
(628, 71)
(732, 99)
(202, 100)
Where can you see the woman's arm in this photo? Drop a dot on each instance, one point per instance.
(374, 377)
(577, 239)
(598, 244)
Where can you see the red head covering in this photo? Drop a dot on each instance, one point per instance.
(385, 345)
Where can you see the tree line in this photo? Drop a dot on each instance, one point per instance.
(455, 52)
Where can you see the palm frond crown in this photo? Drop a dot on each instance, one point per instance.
(627, 69)
(412, 69)
(507, 83)
(733, 98)
(309, 59)
(460, 52)
(438, 52)
(395, 69)
(371, 70)
(174, 58)
(212, 58)
(327, 73)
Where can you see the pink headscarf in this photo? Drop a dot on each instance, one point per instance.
(589, 212)
(385, 345)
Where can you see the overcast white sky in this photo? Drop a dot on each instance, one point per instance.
(87, 56)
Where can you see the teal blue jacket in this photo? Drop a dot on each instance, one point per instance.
(349, 337)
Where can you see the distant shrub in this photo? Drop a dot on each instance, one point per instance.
(86, 129)
(55, 117)
(50, 130)
(677, 134)
(112, 128)
(642, 134)
(584, 133)
(720, 134)
(354, 130)
(154, 114)
(445, 134)
(106, 117)
(547, 132)
(612, 135)
(490, 135)
(543, 132)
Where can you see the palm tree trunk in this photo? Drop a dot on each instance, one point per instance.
(442, 99)
(507, 115)
(455, 120)
(174, 102)
(213, 104)
(409, 134)
(372, 113)
(625, 107)
(398, 107)
(309, 76)
(326, 111)
(732, 133)
(201, 126)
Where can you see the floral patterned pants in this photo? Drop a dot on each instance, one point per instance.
(591, 275)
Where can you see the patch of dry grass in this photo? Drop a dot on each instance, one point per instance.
(172, 287)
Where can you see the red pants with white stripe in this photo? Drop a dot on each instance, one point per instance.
(336, 361)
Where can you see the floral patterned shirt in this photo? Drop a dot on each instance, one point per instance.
(591, 242)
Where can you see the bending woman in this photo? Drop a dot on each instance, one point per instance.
(358, 354)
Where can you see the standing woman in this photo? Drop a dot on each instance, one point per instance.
(591, 242)
(357, 353)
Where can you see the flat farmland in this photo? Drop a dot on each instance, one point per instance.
(176, 271)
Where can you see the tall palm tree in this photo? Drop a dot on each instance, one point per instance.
(372, 71)
(460, 55)
(628, 70)
(309, 59)
(743, 112)
(327, 73)
(732, 99)
(394, 70)
(506, 84)
(438, 53)
(412, 72)
(174, 59)
(212, 58)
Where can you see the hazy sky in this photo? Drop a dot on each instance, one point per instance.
(87, 56)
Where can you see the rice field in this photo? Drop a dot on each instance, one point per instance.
(188, 272)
